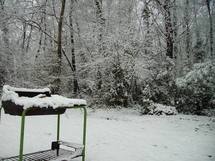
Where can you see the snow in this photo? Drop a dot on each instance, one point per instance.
(40, 101)
(117, 135)
(151, 108)
(159, 109)
(9, 88)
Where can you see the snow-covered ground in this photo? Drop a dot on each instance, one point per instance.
(118, 135)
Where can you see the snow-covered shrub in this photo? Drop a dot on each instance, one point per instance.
(212, 103)
(160, 87)
(208, 112)
(144, 106)
(117, 93)
(199, 51)
(159, 109)
(115, 76)
(196, 90)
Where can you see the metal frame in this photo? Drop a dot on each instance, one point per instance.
(22, 132)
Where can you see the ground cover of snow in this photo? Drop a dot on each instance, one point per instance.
(117, 135)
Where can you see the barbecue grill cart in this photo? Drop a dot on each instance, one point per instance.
(31, 102)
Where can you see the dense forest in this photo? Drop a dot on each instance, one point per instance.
(112, 52)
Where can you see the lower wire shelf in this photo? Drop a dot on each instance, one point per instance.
(46, 155)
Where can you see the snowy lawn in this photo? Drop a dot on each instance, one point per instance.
(118, 135)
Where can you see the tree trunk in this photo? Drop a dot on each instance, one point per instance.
(147, 27)
(188, 60)
(211, 28)
(57, 81)
(168, 28)
(41, 37)
(45, 26)
(7, 59)
(29, 38)
(175, 30)
(176, 54)
(101, 23)
(24, 35)
(198, 49)
(75, 81)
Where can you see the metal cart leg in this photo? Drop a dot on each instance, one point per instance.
(58, 131)
(84, 132)
(58, 127)
(0, 113)
(22, 132)
(22, 136)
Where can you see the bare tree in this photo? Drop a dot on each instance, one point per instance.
(75, 81)
(57, 81)
(101, 23)
(188, 44)
(146, 15)
(211, 27)
(166, 10)
(168, 28)
(7, 65)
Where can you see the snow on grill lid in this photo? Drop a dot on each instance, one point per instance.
(9, 88)
(40, 101)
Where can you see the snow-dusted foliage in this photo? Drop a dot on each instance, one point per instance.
(113, 52)
(197, 88)
(159, 109)
(160, 87)
(151, 108)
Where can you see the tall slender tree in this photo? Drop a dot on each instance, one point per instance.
(168, 28)
(57, 81)
(188, 44)
(7, 70)
(211, 28)
(100, 23)
(72, 40)
(166, 10)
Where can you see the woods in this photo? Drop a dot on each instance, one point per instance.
(112, 52)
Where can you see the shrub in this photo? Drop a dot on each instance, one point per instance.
(196, 90)
(158, 109)
(161, 86)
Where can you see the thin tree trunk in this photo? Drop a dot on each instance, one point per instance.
(175, 30)
(41, 37)
(176, 53)
(198, 53)
(211, 28)
(176, 56)
(187, 35)
(43, 23)
(146, 20)
(29, 38)
(59, 48)
(24, 35)
(45, 26)
(101, 23)
(8, 67)
(197, 33)
(75, 81)
(168, 29)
